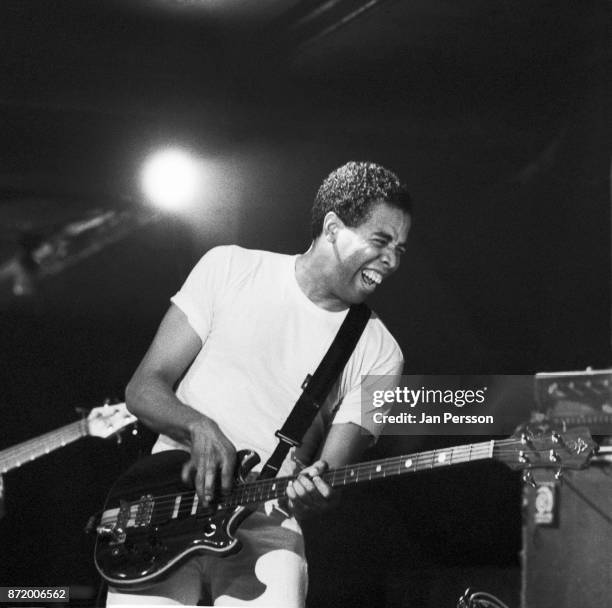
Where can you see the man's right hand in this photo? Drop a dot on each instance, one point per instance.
(212, 463)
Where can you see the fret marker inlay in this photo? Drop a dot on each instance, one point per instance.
(408, 463)
(177, 504)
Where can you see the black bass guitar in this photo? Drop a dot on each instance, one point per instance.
(151, 521)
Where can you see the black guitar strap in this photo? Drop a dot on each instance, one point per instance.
(316, 387)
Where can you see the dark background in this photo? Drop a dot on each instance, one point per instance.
(494, 113)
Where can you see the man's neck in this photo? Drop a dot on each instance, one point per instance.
(312, 275)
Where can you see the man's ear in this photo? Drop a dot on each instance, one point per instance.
(331, 225)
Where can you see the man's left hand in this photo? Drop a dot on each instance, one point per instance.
(309, 494)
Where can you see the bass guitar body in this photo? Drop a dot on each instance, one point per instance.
(152, 521)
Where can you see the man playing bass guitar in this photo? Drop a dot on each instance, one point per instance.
(227, 365)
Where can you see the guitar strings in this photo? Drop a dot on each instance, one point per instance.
(268, 484)
(424, 460)
(266, 489)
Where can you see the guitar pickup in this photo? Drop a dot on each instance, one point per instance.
(144, 511)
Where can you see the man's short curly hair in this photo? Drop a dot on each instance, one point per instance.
(351, 190)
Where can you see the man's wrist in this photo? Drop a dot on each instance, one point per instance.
(201, 425)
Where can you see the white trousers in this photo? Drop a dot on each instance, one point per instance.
(270, 570)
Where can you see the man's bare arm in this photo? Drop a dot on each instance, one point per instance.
(345, 444)
(150, 396)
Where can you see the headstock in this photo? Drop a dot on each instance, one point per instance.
(106, 420)
(539, 447)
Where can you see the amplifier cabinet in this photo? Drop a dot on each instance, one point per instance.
(567, 540)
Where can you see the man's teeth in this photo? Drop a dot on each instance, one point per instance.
(372, 276)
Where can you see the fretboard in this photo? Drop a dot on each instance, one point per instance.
(260, 491)
(15, 456)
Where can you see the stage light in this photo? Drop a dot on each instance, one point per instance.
(171, 179)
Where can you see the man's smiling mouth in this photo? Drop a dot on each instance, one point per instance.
(371, 277)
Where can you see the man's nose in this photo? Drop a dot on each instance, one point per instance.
(390, 259)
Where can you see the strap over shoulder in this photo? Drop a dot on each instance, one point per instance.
(317, 387)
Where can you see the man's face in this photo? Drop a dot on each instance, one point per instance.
(368, 254)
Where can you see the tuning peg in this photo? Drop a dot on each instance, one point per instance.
(559, 474)
(522, 458)
(556, 438)
(528, 478)
(553, 456)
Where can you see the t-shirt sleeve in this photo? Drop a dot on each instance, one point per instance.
(378, 366)
(197, 297)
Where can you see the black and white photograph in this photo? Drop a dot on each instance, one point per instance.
(305, 303)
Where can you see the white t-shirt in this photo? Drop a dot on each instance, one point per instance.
(261, 336)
